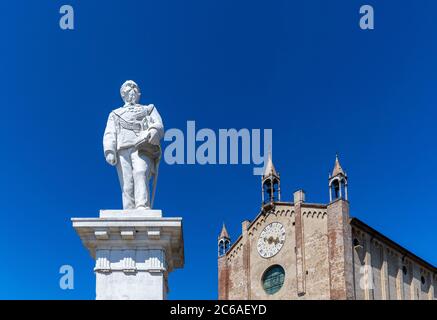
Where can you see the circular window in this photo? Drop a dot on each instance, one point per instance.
(273, 279)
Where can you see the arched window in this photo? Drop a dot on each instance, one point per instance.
(223, 247)
(271, 190)
(273, 279)
(267, 191)
(335, 189)
(338, 189)
(275, 190)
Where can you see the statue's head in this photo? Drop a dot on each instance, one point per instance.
(130, 92)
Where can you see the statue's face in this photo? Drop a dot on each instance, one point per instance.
(130, 93)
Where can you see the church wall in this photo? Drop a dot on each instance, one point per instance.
(393, 269)
(426, 285)
(376, 263)
(374, 259)
(359, 254)
(316, 254)
(285, 257)
(341, 255)
(223, 276)
(415, 288)
(407, 278)
(435, 287)
(237, 274)
(390, 281)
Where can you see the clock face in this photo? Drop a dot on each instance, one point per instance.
(271, 240)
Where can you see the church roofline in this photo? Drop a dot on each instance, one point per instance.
(233, 245)
(314, 205)
(291, 204)
(283, 203)
(406, 253)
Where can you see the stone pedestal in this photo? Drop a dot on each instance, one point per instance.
(134, 250)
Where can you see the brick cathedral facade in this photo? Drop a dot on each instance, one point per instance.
(300, 250)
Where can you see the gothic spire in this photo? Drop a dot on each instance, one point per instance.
(270, 168)
(224, 234)
(337, 167)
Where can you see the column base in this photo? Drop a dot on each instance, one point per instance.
(134, 252)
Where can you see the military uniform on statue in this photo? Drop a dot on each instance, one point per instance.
(134, 248)
(131, 142)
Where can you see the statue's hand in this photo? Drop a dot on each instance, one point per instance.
(110, 158)
(153, 136)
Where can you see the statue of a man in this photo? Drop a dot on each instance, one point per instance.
(131, 142)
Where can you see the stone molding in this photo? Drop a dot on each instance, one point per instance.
(130, 261)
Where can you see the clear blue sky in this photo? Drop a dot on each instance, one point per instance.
(301, 68)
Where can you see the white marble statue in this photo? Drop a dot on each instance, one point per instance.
(131, 142)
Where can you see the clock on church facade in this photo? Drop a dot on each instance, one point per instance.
(271, 240)
(301, 250)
